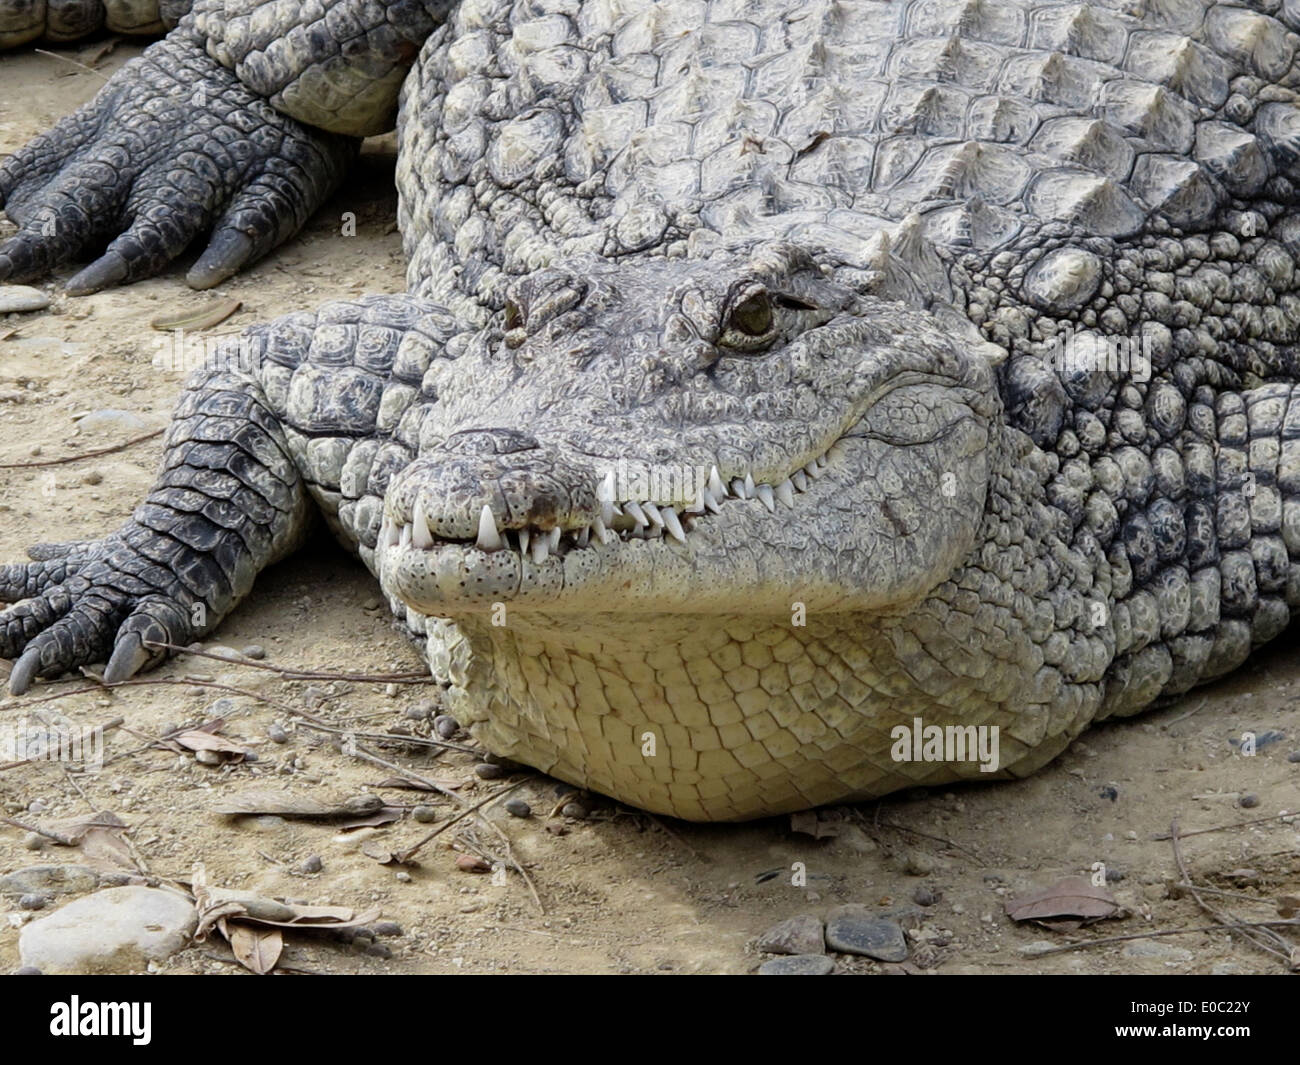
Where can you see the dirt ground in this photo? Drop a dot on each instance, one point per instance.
(620, 892)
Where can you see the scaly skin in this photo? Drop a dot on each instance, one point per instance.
(819, 252)
(60, 21)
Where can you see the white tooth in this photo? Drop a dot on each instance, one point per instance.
(554, 537)
(765, 495)
(821, 461)
(603, 534)
(541, 548)
(672, 525)
(738, 488)
(652, 512)
(749, 486)
(583, 537)
(785, 493)
(607, 511)
(633, 511)
(488, 537)
(813, 470)
(387, 532)
(711, 502)
(405, 539)
(716, 486)
(524, 536)
(605, 493)
(420, 535)
(800, 480)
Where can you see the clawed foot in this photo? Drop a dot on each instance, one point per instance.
(173, 147)
(80, 603)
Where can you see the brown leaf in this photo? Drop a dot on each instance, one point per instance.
(380, 817)
(416, 785)
(201, 740)
(1288, 905)
(472, 863)
(809, 823)
(256, 949)
(251, 803)
(1072, 896)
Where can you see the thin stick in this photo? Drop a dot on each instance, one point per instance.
(400, 739)
(70, 62)
(66, 841)
(357, 751)
(86, 455)
(410, 852)
(1222, 828)
(293, 673)
(1084, 944)
(1183, 717)
(1272, 939)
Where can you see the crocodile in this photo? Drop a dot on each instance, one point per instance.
(63, 21)
(773, 375)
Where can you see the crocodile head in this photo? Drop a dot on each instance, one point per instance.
(694, 436)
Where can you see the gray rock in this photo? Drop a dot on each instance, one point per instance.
(853, 930)
(18, 298)
(49, 879)
(801, 934)
(1156, 950)
(110, 419)
(518, 808)
(798, 965)
(446, 727)
(114, 931)
(33, 902)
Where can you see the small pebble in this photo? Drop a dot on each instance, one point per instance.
(425, 814)
(92, 477)
(1248, 801)
(34, 841)
(379, 950)
(37, 806)
(33, 902)
(853, 930)
(488, 771)
(276, 734)
(798, 935)
(372, 603)
(798, 965)
(1294, 756)
(575, 810)
(446, 727)
(312, 865)
(918, 864)
(472, 863)
(386, 928)
(518, 808)
(16, 299)
(207, 757)
(926, 896)
(402, 876)
(254, 651)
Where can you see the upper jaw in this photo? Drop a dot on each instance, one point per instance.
(646, 546)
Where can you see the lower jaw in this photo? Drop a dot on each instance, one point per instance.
(718, 718)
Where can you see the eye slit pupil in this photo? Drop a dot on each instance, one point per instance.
(514, 316)
(753, 315)
(793, 303)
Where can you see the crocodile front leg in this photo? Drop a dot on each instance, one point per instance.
(308, 408)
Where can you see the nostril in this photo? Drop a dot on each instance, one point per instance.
(489, 442)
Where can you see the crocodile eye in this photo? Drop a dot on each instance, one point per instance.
(514, 316)
(752, 316)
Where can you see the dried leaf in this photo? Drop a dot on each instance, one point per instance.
(380, 817)
(1073, 896)
(199, 740)
(256, 949)
(809, 823)
(251, 803)
(198, 317)
(472, 863)
(1288, 906)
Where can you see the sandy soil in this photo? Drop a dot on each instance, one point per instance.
(620, 892)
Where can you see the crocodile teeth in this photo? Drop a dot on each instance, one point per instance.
(420, 535)
(405, 539)
(715, 485)
(738, 489)
(711, 502)
(524, 536)
(541, 548)
(607, 510)
(553, 538)
(749, 486)
(634, 511)
(605, 493)
(785, 493)
(652, 512)
(583, 536)
(603, 534)
(672, 525)
(813, 470)
(765, 496)
(800, 480)
(488, 537)
(388, 535)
